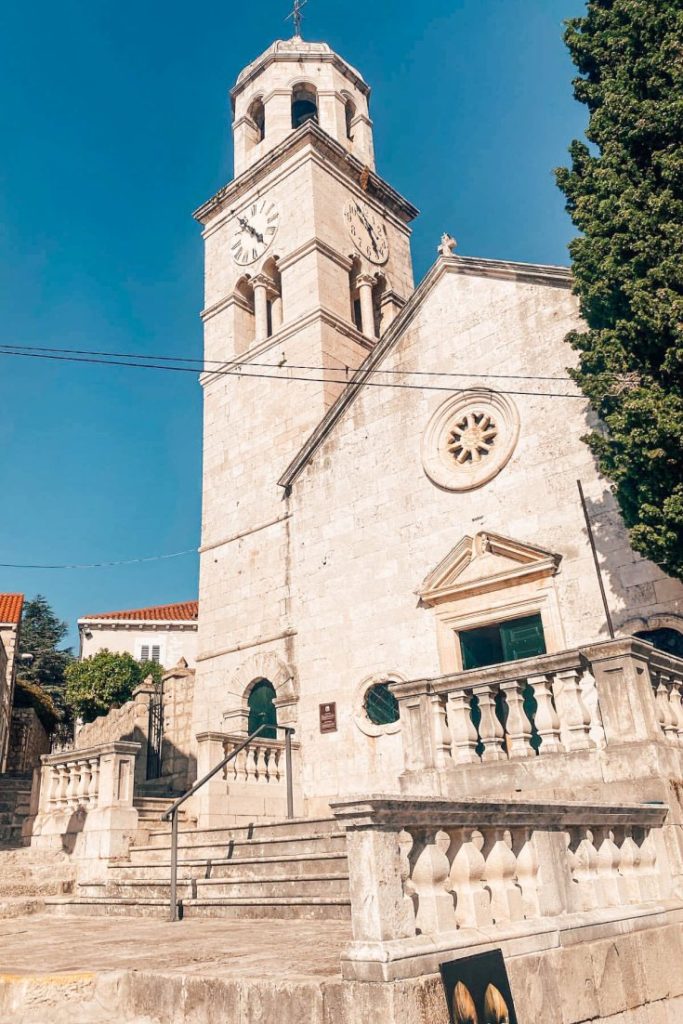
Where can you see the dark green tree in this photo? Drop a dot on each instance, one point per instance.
(625, 194)
(105, 681)
(42, 661)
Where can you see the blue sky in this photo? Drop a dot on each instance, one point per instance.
(115, 126)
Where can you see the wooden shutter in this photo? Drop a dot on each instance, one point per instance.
(144, 652)
(522, 638)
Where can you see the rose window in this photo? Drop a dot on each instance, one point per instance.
(469, 439)
(472, 438)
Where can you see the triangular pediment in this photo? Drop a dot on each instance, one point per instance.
(483, 562)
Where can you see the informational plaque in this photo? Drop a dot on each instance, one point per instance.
(477, 989)
(328, 717)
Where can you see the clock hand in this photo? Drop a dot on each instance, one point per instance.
(244, 223)
(370, 230)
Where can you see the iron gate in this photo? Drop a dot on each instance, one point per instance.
(155, 730)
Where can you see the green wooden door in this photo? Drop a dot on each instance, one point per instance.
(262, 709)
(522, 638)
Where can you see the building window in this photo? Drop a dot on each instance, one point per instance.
(381, 706)
(262, 709)
(150, 652)
(502, 641)
(349, 114)
(304, 105)
(257, 113)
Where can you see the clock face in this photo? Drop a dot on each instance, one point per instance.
(367, 231)
(255, 228)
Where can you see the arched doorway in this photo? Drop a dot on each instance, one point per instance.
(664, 639)
(262, 711)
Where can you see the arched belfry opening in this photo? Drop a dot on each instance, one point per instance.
(349, 115)
(257, 114)
(304, 104)
(262, 711)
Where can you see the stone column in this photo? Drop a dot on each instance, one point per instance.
(260, 285)
(367, 312)
(276, 312)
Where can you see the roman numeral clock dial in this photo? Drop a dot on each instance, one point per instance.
(255, 229)
(367, 231)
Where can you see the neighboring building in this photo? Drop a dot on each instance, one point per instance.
(165, 633)
(10, 622)
(356, 534)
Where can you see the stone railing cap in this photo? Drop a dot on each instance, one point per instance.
(400, 812)
(114, 747)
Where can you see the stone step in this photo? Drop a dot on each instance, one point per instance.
(210, 888)
(282, 828)
(300, 865)
(328, 842)
(246, 908)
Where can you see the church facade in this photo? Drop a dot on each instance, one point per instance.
(390, 471)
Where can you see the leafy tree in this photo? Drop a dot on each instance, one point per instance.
(105, 681)
(30, 695)
(41, 661)
(625, 194)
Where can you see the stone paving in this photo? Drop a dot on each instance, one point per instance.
(46, 944)
(141, 971)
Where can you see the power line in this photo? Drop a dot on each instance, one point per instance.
(100, 565)
(202, 363)
(239, 372)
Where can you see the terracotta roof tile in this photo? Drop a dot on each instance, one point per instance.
(184, 611)
(10, 607)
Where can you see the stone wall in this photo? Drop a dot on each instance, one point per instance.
(28, 741)
(131, 723)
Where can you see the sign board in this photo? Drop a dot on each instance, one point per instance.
(477, 990)
(328, 717)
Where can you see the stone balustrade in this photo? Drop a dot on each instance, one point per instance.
(429, 875)
(252, 785)
(261, 762)
(578, 702)
(85, 800)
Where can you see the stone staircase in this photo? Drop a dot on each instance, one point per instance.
(15, 799)
(294, 869)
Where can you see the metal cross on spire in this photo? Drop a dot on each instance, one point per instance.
(296, 16)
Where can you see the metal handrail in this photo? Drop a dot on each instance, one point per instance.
(172, 811)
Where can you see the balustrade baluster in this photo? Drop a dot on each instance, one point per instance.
(630, 868)
(472, 899)
(429, 878)
(83, 782)
(609, 880)
(584, 863)
(463, 733)
(442, 743)
(499, 877)
(54, 780)
(490, 730)
(72, 786)
(546, 719)
(648, 878)
(527, 874)
(94, 786)
(253, 761)
(676, 708)
(518, 726)
(664, 711)
(63, 786)
(574, 716)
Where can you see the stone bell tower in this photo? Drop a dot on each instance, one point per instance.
(307, 263)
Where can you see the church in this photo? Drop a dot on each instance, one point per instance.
(390, 471)
(436, 693)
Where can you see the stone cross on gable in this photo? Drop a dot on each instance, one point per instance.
(296, 16)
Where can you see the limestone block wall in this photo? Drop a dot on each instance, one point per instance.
(368, 525)
(177, 757)
(28, 741)
(8, 645)
(129, 723)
